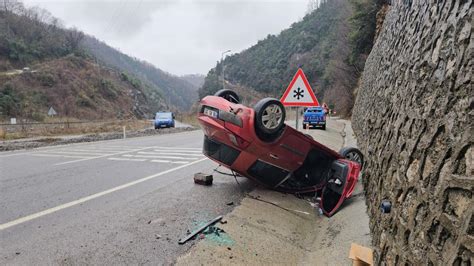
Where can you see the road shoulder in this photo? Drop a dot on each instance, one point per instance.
(260, 232)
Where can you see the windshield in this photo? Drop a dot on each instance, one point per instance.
(163, 115)
(314, 110)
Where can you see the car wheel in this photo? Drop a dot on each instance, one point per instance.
(324, 127)
(304, 126)
(353, 154)
(229, 95)
(269, 118)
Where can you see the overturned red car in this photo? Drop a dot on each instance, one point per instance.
(256, 143)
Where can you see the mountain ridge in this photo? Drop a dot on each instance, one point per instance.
(321, 44)
(33, 38)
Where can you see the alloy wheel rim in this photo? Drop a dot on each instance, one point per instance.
(272, 116)
(355, 157)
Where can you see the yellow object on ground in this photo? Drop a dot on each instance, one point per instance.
(361, 255)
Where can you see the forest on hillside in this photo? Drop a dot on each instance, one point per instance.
(177, 92)
(99, 80)
(61, 74)
(330, 44)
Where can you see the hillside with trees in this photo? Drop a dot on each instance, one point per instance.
(64, 71)
(197, 80)
(177, 92)
(330, 44)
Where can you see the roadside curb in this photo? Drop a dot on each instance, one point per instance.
(64, 140)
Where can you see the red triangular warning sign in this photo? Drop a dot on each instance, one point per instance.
(299, 92)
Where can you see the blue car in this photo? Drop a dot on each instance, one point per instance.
(164, 119)
(315, 116)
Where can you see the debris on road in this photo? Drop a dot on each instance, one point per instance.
(213, 230)
(361, 255)
(203, 179)
(316, 204)
(199, 230)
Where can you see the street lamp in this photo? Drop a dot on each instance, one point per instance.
(223, 68)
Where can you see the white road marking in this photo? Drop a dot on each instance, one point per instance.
(159, 157)
(169, 153)
(97, 157)
(89, 144)
(76, 153)
(178, 148)
(91, 197)
(192, 152)
(93, 150)
(110, 149)
(57, 155)
(126, 159)
(166, 161)
(122, 147)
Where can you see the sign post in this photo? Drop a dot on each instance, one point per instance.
(299, 93)
(297, 115)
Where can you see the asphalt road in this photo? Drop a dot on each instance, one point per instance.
(110, 202)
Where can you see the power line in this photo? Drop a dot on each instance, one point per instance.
(112, 21)
(132, 10)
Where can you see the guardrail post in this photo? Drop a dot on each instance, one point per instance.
(124, 136)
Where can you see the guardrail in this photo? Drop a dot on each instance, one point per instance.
(59, 123)
(72, 127)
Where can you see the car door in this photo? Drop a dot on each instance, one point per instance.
(340, 185)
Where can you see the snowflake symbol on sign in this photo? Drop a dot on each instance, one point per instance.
(298, 93)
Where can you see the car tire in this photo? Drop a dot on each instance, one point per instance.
(304, 126)
(229, 95)
(269, 118)
(352, 154)
(324, 127)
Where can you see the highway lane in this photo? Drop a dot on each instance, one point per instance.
(121, 201)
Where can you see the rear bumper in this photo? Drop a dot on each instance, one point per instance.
(166, 124)
(314, 122)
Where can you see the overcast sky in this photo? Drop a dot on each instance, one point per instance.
(181, 36)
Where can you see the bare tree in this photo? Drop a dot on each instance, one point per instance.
(73, 39)
(313, 5)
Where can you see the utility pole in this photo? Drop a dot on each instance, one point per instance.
(223, 68)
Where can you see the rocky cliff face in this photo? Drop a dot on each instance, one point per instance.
(413, 119)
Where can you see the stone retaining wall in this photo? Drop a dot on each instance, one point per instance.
(413, 119)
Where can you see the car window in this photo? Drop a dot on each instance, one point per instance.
(163, 116)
